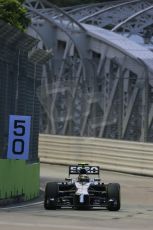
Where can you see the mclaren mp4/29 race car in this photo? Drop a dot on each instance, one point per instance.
(82, 192)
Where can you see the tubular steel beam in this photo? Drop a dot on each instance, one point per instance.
(134, 26)
(107, 9)
(95, 85)
(85, 11)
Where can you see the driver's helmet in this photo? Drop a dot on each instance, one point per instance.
(83, 178)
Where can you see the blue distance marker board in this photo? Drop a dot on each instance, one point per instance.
(19, 137)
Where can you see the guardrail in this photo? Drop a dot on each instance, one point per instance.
(121, 156)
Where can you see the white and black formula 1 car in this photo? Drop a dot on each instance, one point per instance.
(85, 191)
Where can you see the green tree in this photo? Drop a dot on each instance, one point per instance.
(13, 12)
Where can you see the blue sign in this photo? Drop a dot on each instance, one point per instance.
(19, 137)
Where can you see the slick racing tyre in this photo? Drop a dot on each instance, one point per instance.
(113, 194)
(51, 196)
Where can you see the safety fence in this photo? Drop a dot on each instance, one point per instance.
(21, 64)
(121, 156)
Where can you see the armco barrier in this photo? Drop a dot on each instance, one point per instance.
(121, 156)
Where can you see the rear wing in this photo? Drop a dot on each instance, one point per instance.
(92, 170)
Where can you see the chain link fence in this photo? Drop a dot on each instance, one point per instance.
(20, 75)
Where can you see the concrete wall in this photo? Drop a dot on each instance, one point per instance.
(121, 156)
(19, 179)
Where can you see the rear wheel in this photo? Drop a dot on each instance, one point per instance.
(51, 196)
(113, 194)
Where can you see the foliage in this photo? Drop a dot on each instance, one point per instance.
(13, 12)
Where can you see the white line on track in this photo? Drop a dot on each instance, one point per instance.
(42, 189)
(23, 206)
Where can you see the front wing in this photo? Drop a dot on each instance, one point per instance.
(96, 197)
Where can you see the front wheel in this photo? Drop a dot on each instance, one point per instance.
(51, 196)
(113, 194)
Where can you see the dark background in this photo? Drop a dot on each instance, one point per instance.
(76, 2)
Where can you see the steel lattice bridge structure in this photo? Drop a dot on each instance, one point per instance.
(99, 79)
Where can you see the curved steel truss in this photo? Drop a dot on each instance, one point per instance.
(136, 23)
(111, 16)
(97, 83)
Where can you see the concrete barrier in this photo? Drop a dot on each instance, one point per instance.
(121, 156)
(18, 179)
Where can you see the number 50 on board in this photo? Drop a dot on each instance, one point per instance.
(19, 137)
